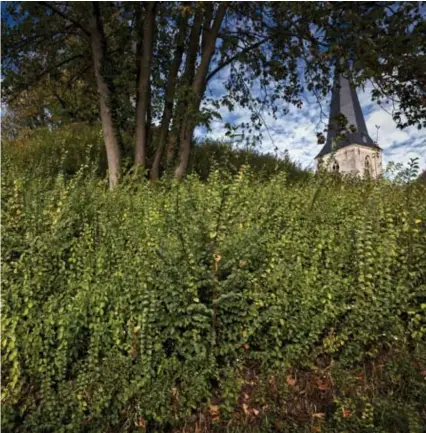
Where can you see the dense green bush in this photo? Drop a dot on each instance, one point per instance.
(210, 155)
(48, 152)
(138, 308)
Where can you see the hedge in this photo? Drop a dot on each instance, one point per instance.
(142, 308)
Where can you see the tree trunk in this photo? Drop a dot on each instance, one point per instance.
(143, 85)
(171, 147)
(198, 89)
(139, 42)
(206, 24)
(98, 44)
(169, 99)
(149, 130)
(188, 75)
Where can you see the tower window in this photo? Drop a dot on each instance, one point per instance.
(335, 166)
(368, 166)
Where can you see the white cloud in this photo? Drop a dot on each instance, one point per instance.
(296, 131)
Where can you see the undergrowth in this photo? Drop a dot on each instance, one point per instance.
(49, 152)
(228, 305)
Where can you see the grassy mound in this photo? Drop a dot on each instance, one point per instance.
(48, 152)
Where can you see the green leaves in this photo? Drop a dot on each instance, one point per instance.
(132, 304)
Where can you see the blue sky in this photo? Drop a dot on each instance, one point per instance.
(296, 131)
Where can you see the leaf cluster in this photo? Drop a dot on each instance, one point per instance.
(136, 308)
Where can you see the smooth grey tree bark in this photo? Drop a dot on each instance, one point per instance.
(98, 44)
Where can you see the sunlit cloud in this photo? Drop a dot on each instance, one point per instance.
(296, 131)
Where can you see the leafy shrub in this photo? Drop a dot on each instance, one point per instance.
(210, 155)
(138, 308)
(47, 152)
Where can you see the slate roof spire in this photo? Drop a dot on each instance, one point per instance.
(344, 100)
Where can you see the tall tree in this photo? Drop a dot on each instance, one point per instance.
(169, 97)
(198, 88)
(186, 80)
(268, 55)
(143, 100)
(99, 53)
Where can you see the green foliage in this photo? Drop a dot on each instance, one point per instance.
(210, 155)
(137, 308)
(422, 177)
(48, 74)
(46, 152)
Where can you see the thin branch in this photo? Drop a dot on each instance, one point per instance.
(235, 57)
(315, 93)
(257, 112)
(19, 45)
(27, 86)
(65, 17)
(79, 74)
(375, 85)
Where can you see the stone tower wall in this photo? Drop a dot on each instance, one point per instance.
(352, 160)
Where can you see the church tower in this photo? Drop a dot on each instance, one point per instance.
(349, 149)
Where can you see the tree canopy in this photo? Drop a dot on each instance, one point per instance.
(146, 67)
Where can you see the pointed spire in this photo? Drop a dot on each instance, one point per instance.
(344, 101)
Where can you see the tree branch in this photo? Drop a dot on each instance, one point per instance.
(27, 86)
(65, 17)
(235, 57)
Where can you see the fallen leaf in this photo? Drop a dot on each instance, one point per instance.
(319, 415)
(360, 376)
(246, 409)
(214, 410)
(246, 346)
(291, 381)
(316, 428)
(346, 413)
(323, 386)
(141, 423)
